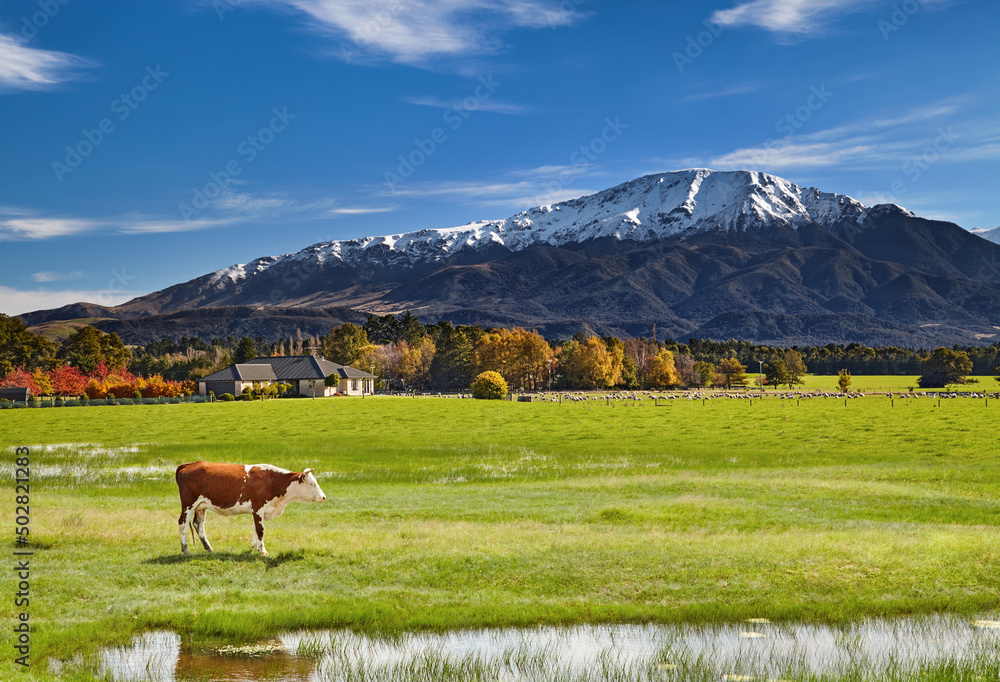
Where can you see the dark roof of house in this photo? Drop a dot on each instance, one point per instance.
(244, 372)
(288, 368)
(346, 372)
(309, 367)
(15, 393)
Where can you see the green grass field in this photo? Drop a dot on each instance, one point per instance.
(867, 383)
(450, 513)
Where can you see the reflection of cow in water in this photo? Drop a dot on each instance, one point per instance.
(228, 489)
(268, 660)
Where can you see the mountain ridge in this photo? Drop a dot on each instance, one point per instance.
(697, 199)
(687, 251)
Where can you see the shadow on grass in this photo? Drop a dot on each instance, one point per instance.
(248, 557)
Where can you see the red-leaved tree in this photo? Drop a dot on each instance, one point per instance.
(20, 378)
(68, 380)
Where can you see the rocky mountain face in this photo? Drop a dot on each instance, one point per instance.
(697, 253)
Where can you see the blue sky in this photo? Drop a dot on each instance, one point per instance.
(146, 143)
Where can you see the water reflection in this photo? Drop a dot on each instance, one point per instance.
(268, 660)
(165, 657)
(754, 649)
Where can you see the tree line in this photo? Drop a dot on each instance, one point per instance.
(406, 355)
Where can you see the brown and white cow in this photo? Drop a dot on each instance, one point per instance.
(228, 489)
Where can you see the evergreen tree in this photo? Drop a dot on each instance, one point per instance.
(246, 351)
(383, 330)
(411, 329)
(451, 368)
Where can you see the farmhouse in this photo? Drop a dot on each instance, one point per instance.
(21, 395)
(307, 375)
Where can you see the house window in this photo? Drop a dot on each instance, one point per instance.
(312, 383)
(354, 384)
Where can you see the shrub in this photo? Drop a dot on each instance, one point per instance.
(226, 398)
(489, 386)
(844, 381)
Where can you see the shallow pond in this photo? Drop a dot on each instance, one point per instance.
(901, 649)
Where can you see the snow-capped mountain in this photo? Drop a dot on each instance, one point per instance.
(992, 235)
(676, 204)
(691, 253)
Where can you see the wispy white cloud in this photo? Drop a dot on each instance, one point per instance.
(880, 142)
(28, 68)
(477, 104)
(556, 171)
(728, 91)
(248, 206)
(361, 210)
(793, 153)
(43, 228)
(787, 16)
(162, 226)
(29, 226)
(464, 189)
(917, 115)
(18, 301)
(245, 202)
(516, 195)
(415, 31)
(800, 17)
(49, 276)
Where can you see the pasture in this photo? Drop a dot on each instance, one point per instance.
(883, 383)
(446, 514)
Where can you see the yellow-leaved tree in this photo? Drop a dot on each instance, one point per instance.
(591, 364)
(662, 371)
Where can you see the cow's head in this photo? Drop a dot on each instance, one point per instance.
(306, 488)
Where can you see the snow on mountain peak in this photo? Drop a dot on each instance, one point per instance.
(990, 234)
(675, 204)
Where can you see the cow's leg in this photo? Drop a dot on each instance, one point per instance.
(199, 526)
(258, 535)
(182, 524)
